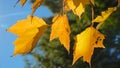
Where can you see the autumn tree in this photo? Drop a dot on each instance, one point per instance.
(76, 34)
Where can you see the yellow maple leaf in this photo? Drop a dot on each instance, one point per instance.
(77, 6)
(84, 2)
(20, 27)
(85, 43)
(66, 7)
(79, 10)
(29, 31)
(22, 2)
(36, 4)
(104, 16)
(61, 30)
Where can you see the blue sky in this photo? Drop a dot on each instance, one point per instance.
(8, 16)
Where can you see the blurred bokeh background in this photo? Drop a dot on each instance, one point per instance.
(53, 54)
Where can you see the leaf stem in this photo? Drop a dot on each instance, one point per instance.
(16, 3)
(118, 3)
(92, 8)
(63, 7)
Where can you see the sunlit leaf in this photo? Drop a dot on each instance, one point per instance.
(20, 27)
(77, 6)
(61, 30)
(66, 7)
(22, 2)
(29, 31)
(85, 43)
(84, 2)
(104, 15)
(79, 10)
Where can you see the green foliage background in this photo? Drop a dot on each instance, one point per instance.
(53, 54)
